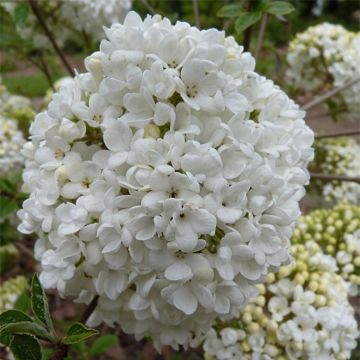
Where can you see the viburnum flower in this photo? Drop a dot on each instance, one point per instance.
(325, 56)
(339, 156)
(165, 182)
(302, 312)
(337, 231)
(11, 142)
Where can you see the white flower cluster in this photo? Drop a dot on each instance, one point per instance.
(10, 290)
(91, 15)
(337, 231)
(302, 313)
(326, 55)
(58, 84)
(166, 180)
(338, 156)
(11, 143)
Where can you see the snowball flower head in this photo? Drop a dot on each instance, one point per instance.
(337, 231)
(11, 142)
(324, 56)
(165, 180)
(302, 312)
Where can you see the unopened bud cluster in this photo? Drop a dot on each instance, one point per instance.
(337, 231)
(302, 312)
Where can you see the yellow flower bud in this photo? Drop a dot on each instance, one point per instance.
(245, 346)
(247, 318)
(253, 327)
(152, 131)
(320, 300)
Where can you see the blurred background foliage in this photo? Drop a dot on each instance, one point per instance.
(29, 80)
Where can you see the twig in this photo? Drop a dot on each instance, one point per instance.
(46, 71)
(149, 7)
(261, 35)
(329, 177)
(248, 32)
(50, 36)
(339, 134)
(61, 350)
(329, 94)
(195, 7)
(89, 309)
(247, 38)
(227, 23)
(24, 249)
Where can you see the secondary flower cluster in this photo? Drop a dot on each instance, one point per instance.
(15, 107)
(86, 17)
(10, 290)
(166, 180)
(301, 313)
(30, 30)
(326, 55)
(337, 231)
(338, 156)
(11, 143)
(91, 15)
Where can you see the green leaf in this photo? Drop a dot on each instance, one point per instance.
(7, 206)
(6, 185)
(78, 332)
(245, 20)
(23, 302)
(39, 303)
(102, 344)
(262, 5)
(231, 10)
(25, 347)
(280, 8)
(26, 327)
(11, 317)
(21, 14)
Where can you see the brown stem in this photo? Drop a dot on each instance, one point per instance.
(329, 177)
(24, 249)
(89, 309)
(339, 134)
(60, 353)
(87, 40)
(149, 7)
(248, 32)
(61, 350)
(247, 38)
(50, 36)
(261, 35)
(329, 94)
(45, 70)
(195, 7)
